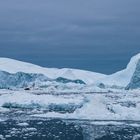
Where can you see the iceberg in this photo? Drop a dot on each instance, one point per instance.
(14, 66)
(19, 74)
(122, 78)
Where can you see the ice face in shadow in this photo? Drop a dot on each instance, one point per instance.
(23, 80)
(19, 79)
(135, 80)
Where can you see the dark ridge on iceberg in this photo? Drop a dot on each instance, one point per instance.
(65, 80)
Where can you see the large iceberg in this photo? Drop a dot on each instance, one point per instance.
(14, 66)
(19, 74)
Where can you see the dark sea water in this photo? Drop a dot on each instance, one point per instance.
(57, 129)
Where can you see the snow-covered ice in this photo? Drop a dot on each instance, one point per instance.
(14, 66)
(94, 106)
(27, 100)
(23, 124)
(105, 107)
(70, 93)
(14, 71)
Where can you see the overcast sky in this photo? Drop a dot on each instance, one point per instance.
(96, 35)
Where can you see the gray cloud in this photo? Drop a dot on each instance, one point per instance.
(89, 34)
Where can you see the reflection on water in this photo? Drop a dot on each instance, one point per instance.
(56, 129)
